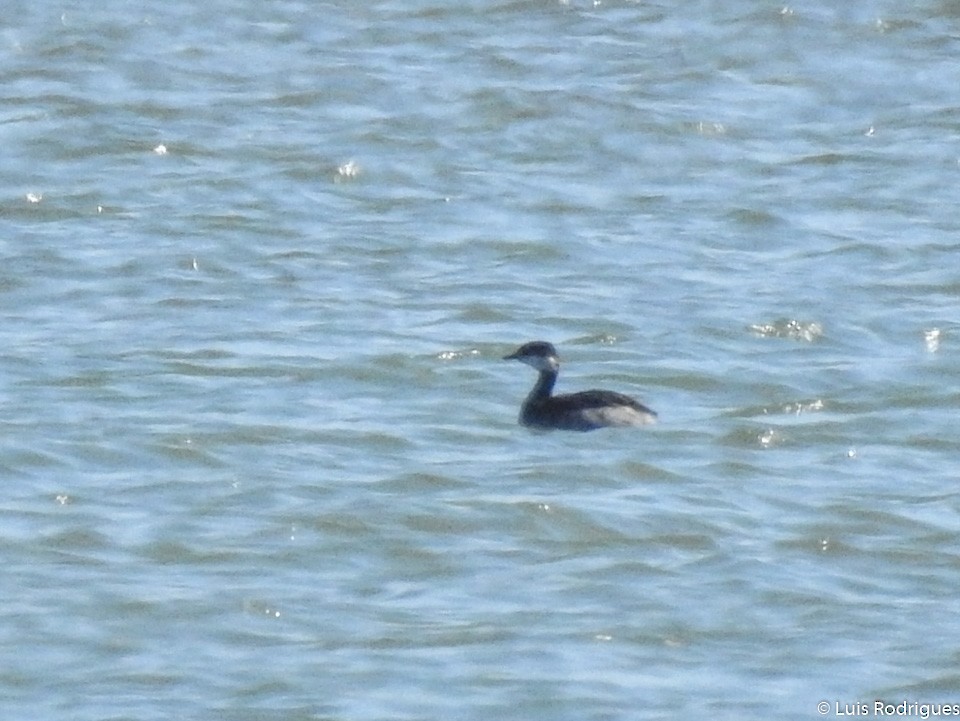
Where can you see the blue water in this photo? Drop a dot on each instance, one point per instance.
(260, 451)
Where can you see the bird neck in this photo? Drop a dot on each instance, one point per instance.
(544, 386)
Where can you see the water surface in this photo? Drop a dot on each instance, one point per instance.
(261, 262)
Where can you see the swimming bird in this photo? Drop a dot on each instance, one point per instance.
(584, 411)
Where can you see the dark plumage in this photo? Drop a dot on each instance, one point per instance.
(584, 411)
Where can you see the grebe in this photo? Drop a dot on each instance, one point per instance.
(584, 411)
